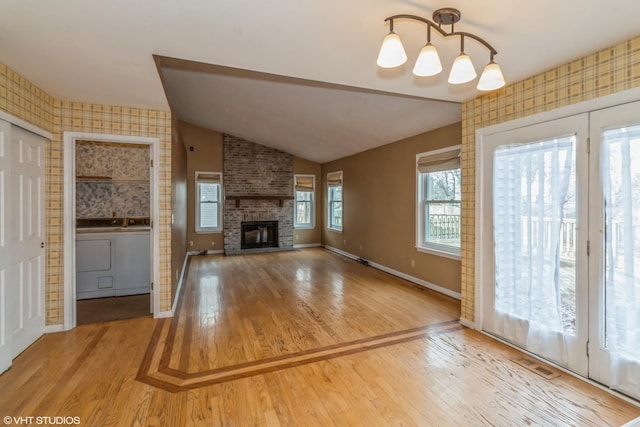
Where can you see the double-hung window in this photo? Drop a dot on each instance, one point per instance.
(334, 201)
(304, 188)
(208, 202)
(439, 193)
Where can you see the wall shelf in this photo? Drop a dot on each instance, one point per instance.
(280, 199)
(109, 179)
(92, 178)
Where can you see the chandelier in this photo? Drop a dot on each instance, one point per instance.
(392, 52)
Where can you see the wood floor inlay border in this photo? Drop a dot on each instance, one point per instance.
(155, 368)
(161, 376)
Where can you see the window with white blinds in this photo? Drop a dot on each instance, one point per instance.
(208, 202)
(438, 201)
(304, 208)
(334, 202)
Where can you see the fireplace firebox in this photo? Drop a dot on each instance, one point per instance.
(259, 234)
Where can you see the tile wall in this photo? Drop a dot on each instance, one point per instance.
(126, 193)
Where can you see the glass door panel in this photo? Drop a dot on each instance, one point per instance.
(538, 298)
(616, 360)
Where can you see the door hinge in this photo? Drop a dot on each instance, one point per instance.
(588, 145)
(151, 162)
(151, 285)
(588, 247)
(151, 225)
(588, 348)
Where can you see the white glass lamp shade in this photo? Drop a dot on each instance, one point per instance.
(462, 70)
(491, 77)
(392, 52)
(428, 62)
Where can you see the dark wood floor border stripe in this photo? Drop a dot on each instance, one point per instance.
(145, 366)
(177, 383)
(166, 355)
(363, 341)
(175, 380)
(306, 361)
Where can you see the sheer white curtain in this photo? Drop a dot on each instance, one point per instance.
(533, 192)
(620, 160)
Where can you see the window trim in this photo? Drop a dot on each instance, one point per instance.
(208, 230)
(438, 249)
(296, 225)
(330, 227)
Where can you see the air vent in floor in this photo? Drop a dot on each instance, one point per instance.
(537, 367)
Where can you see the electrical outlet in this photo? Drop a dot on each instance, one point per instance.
(413, 263)
(190, 243)
(360, 247)
(344, 241)
(213, 243)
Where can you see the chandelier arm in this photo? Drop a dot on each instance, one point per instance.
(479, 39)
(444, 33)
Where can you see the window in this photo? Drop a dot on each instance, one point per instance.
(439, 192)
(208, 198)
(304, 187)
(334, 182)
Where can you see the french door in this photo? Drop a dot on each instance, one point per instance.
(561, 242)
(535, 239)
(615, 261)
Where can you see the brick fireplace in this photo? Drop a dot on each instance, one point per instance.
(258, 186)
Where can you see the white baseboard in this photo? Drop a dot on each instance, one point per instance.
(209, 252)
(468, 323)
(307, 245)
(50, 329)
(633, 423)
(170, 313)
(341, 252)
(402, 275)
(163, 314)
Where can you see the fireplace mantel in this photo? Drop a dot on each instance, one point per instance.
(280, 199)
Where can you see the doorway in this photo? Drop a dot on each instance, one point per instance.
(560, 242)
(127, 238)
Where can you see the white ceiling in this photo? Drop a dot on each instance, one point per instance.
(314, 88)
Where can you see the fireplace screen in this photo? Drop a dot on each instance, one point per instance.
(259, 234)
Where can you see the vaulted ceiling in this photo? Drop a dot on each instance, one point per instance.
(297, 75)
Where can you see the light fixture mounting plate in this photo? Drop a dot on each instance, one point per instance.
(446, 16)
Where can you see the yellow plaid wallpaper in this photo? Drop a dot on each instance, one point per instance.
(24, 100)
(602, 73)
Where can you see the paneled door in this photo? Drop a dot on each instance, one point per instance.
(534, 244)
(615, 242)
(6, 352)
(26, 287)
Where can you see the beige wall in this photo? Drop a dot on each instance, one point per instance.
(205, 157)
(602, 73)
(22, 99)
(379, 208)
(178, 205)
(310, 236)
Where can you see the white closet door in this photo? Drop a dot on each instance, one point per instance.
(26, 288)
(6, 353)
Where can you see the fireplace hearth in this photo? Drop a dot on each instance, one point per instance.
(259, 234)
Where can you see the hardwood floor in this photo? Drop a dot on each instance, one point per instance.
(298, 338)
